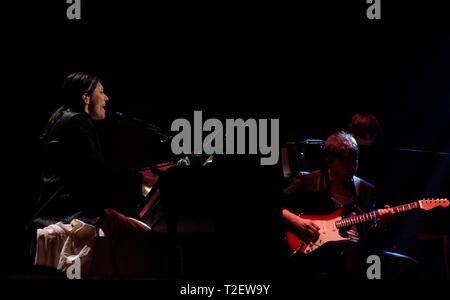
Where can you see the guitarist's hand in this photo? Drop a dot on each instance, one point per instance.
(384, 217)
(306, 229)
(303, 228)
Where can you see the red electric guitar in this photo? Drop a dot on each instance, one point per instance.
(332, 223)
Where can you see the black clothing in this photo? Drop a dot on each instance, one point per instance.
(76, 183)
(309, 194)
(303, 193)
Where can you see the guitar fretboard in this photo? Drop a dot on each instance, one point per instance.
(349, 221)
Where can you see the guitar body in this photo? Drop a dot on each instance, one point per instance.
(329, 224)
(328, 232)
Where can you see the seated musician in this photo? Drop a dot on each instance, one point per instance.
(373, 156)
(322, 192)
(76, 182)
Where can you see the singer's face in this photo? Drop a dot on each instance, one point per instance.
(343, 169)
(96, 107)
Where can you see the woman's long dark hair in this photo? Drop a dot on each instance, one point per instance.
(74, 86)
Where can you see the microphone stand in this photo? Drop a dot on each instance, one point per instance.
(164, 136)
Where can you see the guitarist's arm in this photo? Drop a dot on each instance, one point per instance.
(385, 217)
(303, 228)
(378, 236)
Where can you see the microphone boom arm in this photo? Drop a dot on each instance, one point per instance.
(165, 137)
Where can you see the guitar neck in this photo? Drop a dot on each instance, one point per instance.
(344, 222)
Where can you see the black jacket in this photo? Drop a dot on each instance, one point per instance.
(76, 183)
(309, 194)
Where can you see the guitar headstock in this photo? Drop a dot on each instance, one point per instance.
(428, 204)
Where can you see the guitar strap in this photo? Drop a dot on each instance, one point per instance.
(357, 184)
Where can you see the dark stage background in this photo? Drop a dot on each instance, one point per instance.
(312, 64)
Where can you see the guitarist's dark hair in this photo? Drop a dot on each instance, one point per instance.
(340, 145)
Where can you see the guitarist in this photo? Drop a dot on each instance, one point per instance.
(322, 192)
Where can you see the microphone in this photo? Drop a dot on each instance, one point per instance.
(165, 137)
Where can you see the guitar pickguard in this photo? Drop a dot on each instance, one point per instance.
(328, 233)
